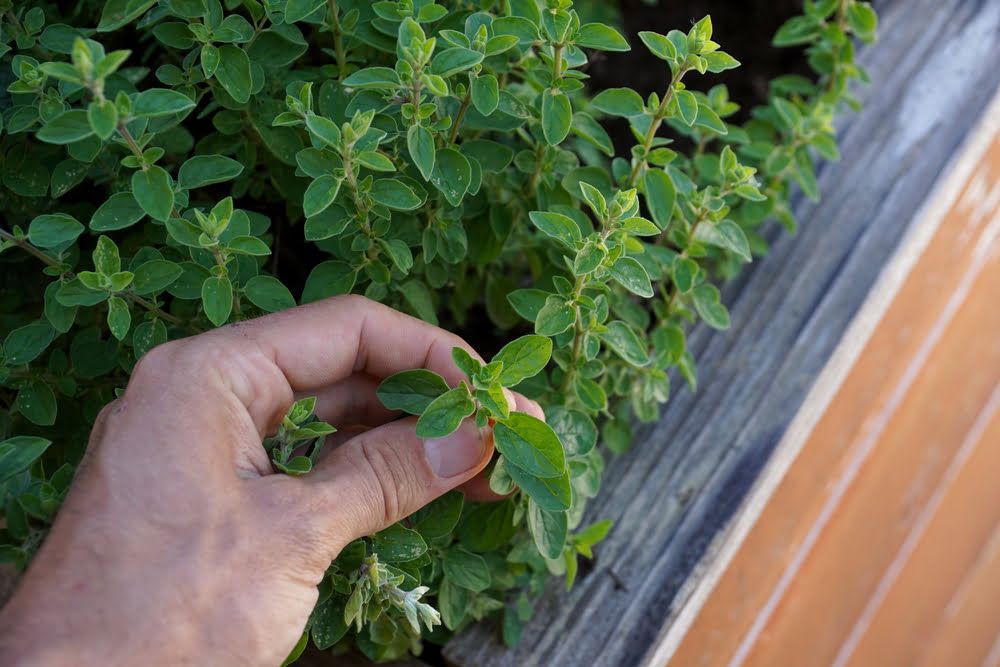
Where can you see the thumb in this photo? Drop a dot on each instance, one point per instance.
(383, 475)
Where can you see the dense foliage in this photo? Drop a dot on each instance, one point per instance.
(446, 159)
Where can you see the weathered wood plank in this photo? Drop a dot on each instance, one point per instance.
(935, 69)
(893, 460)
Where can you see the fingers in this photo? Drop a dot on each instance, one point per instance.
(387, 473)
(352, 402)
(321, 343)
(478, 488)
(304, 349)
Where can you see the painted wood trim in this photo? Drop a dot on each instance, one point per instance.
(818, 568)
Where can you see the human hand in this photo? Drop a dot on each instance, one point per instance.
(177, 545)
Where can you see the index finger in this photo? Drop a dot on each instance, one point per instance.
(320, 343)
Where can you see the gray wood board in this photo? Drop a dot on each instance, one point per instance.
(935, 69)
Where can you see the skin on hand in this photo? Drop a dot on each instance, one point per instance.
(178, 545)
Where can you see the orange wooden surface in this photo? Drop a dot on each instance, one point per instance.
(880, 545)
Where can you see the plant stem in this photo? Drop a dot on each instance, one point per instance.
(460, 116)
(661, 113)
(557, 63)
(581, 283)
(131, 296)
(338, 39)
(133, 146)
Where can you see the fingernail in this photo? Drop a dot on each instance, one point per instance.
(457, 453)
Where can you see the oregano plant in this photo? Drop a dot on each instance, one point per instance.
(170, 166)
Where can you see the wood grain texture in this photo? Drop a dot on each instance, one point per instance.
(891, 504)
(686, 476)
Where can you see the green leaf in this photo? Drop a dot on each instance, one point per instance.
(397, 544)
(375, 161)
(863, 20)
(452, 175)
(629, 273)
(454, 60)
(54, 230)
(202, 170)
(485, 94)
(155, 276)
(557, 116)
(18, 453)
(575, 429)
(330, 222)
(707, 303)
(210, 58)
(591, 256)
(411, 391)
(153, 192)
(453, 603)
(727, 235)
(466, 569)
(74, 293)
(324, 129)
(119, 317)
(707, 118)
(445, 413)
(329, 278)
(418, 296)
(157, 102)
(438, 519)
(549, 530)
(530, 444)
(119, 211)
(621, 338)
(590, 393)
(618, 102)
(248, 245)
(184, 232)
(66, 128)
(59, 316)
(640, 227)
(797, 30)
(420, 143)
(555, 316)
(523, 358)
(660, 196)
(719, 61)
(558, 226)
(588, 129)
(683, 272)
(103, 117)
(298, 466)
(327, 626)
(394, 194)
(374, 78)
(320, 194)
(550, 493)
(37, 402)
(117, 13)
(269, 294)
(217, 299)
(106, 258)
(24, 344)
(658, 45)
(296, 10)
(234, 72)
(687, 105)
(601, 37)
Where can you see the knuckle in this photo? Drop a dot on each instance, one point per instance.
(388, 475)
(157, 360)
